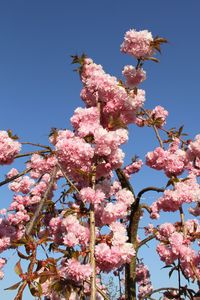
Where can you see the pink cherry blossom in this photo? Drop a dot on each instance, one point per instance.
(133, 76)
(137, 43)
(9, 148)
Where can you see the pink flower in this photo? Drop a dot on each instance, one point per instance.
(9, 148)
(133, 76)
(156, 159)
(85, 120)
(41, 165)
(164, 231)
(133, 168)
(137, 43)
(160, 114)
(72, 269)
(194, 147)
(91, 196)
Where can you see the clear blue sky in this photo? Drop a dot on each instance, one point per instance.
(39, 90)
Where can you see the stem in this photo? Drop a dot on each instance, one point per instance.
(120, 287)
(182, 221)
(70, 183)
(99, 291)
(93, 240)
(159, 290)
(20, 291)
(136, 210)
(148, 189)
(179, 278)
(7, 180)
(147, 207)
(143, 242)
(155, 129)
(42, 202)
(130, 269)
(158, 136)
(32, 152)
(36, 145)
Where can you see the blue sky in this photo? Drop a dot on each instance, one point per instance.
(39, 90)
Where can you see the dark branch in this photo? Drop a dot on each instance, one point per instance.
(7, 180)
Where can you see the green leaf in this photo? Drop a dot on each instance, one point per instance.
(18, 268)
(171, 272)
(21, 255)
(13, 287)
(33, 290)
(167, 266)
(153, 59)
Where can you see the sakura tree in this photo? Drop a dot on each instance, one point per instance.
(74, 215)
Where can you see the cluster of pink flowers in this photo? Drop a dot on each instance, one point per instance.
(113, 256)
(10, 230)
(184, 192)
(116, 101)
(74, 153)
(85, 121)
(41, 165)
(21, 184)
(143, 280)
(111, 211)
(69, 231)
(9, 148)
(138, 43)
(86, 158)
(72, 269)
(160, 115)
(194, 147)
(133, 168)
(133, 76)
(89, 195)
(177, 245)
(173, 161)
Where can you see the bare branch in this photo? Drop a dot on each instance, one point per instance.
(148, 189)
(32, 152)
(42, 202)
(7, 180)
(143, 242)
(70, 183)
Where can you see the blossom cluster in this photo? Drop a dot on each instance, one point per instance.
(177, 245)
(187, 191)
(9, 148)
(91, 218)
(143, 279)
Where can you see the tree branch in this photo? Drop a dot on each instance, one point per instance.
(32, 152)
(148, 189)
(7, 180)
(143, 242)
(42, 202)
(70, 183)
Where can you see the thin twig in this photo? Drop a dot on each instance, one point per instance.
(158, 136)
(143, 242)
(20, 291)
(36, 145)
(182, 221)
(42, 202)
(32, 152)
(70, 183)
(92, 240)
(7, 180)
(145, 206)
(155, 129)
(148, 189)
(99, 290)
(159, 290)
